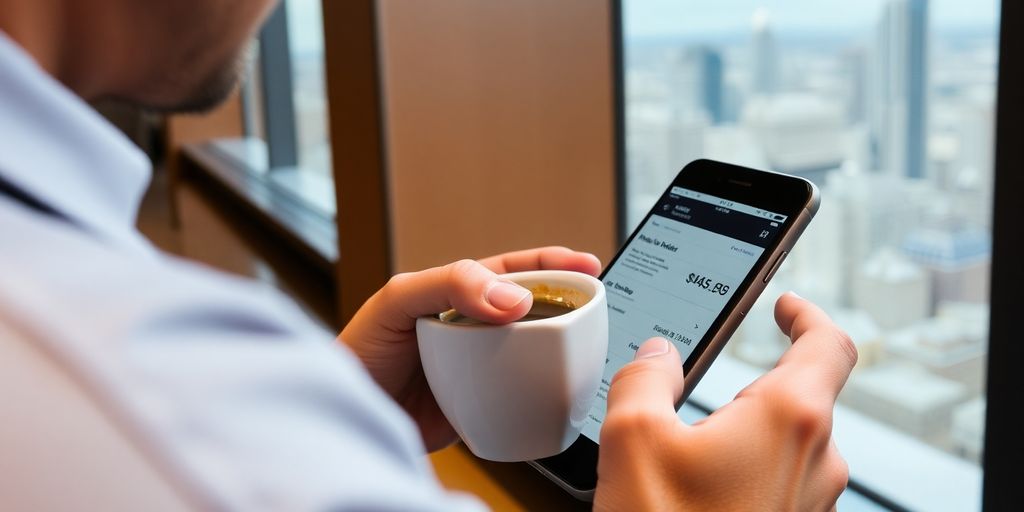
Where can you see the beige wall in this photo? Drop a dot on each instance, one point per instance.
(499, 124)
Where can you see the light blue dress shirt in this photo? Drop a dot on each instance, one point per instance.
(245, 401)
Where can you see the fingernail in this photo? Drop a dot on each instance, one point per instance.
(506, 295)
(652, 348)
(791, 292)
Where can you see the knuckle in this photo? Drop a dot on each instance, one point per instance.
(811, 427)
(811, 423)
(456, 272)
(846, 346)
(626, 372)
(633, 422)
(461, 267)
(838, 474)
(393, 290)
(808, 419)
(637, 370)
(397, 282)
(464, 278)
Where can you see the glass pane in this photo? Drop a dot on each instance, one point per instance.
(306, 40)
(888, 106)
(310, 181)
(250, 151)
(251, 90)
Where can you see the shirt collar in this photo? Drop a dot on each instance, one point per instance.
(56, 148)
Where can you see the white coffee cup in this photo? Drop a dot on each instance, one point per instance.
(520, 391)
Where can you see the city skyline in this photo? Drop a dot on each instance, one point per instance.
(658, 19)
(895, 123)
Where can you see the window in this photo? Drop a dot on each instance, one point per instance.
(306, 43)
(888, 106)
(285, 100)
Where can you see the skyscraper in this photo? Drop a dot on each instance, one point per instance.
(709, 64)
(697, 82)
(899, 88)
(766, 67)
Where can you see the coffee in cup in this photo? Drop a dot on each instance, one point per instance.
(521, 391)
(547, 302)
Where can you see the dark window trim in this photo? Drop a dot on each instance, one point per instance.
(278, 100)
(1004, 425)
(619, 123)
(287, 217)
(358, 135)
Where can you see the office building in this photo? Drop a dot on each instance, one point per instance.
(765, 80)
(953, 344)
(968, 431)
(799, 133)
(817, 262)
(874, 211)
(695, 83)
(709, 70)
(957, 260)
(661, 141)
(899, 93)
(864, 332)
(895, 291)
(757, 341)
(908, 398)
(975, 179)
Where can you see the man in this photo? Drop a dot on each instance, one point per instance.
(239, 401)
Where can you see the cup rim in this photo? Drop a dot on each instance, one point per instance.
(598, 292)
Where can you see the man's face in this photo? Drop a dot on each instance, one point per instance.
(189, 53)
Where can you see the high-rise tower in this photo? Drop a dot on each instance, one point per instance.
(765, 55)
(899, 92)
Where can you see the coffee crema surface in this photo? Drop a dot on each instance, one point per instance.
(548, 302)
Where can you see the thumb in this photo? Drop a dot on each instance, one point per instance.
(466, 285)
(650, 384)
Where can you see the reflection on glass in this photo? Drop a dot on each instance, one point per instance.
(887, 105)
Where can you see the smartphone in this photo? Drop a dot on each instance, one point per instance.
(689, 273)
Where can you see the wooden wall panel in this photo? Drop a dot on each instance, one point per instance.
(499, 127)
(357, 148)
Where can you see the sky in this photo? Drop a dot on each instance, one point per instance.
(660, 18)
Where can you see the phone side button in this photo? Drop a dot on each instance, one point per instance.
(775, 266)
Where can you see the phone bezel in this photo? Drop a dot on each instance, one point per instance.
(576, 468)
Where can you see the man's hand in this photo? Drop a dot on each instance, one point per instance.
(769, 449)
(383, 331)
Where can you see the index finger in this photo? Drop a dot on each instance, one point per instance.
(544, 258)
(821, 350)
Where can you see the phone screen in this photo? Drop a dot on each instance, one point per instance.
(676, 275)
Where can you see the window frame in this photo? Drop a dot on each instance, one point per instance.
(618, 38)
(1003, 442)
(275, 60)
